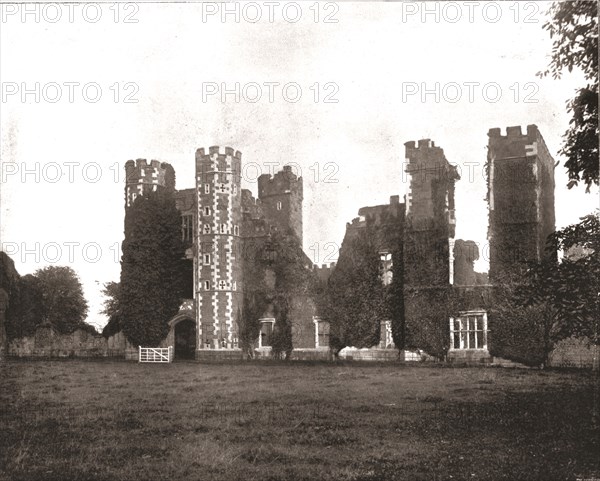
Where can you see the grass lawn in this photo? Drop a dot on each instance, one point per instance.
(94, 420)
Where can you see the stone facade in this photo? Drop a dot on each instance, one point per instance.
(224, 227)
(219, 283)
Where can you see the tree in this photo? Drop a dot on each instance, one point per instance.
(521, 334)
(52, 295)
(29, 308)
(63, 303)
(577, 285)
(281, 341)
(574, 30)
(111, 303)
(524, 321)
(112, 308)
(151, 287)
(551, 300)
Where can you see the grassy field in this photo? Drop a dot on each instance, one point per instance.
(266, 421)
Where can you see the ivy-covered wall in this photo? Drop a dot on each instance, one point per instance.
(520, 178)
(428, 295)
(279, 282)
(428, 311)
(358, 299)
(9, 295)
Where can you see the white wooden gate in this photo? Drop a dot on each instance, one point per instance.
(155, 354)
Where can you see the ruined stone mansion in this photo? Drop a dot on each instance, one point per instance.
(218, 219)
(222, 225)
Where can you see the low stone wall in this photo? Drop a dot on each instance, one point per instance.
(575, 352)
(416, 356)
(317, 354)
(131, 353)
(368, 354)
(299, 354)
(215, 355)
(501, 362)
(47, 342)
(469, 356)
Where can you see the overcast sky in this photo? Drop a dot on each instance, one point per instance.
(152, 90)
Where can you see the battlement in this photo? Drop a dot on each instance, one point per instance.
(142, 163)
(515, 132)
(357, 223)
(283, 182)
(324, 271)
(221, 151)
(424, 157)
(142, 176)
(324, 267)
(423, 144)
(281, 200)
(218, 159)
(377, 210)
(140, 167)
(516, 144)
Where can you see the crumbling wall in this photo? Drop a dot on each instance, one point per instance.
(428, 232)
(574, 352)
(49, 343)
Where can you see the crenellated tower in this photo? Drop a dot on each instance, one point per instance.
(281, 200)
(430, 220)
(520, 174)
(141, 178)
(219, 272)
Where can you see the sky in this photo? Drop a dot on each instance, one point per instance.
(334, 89)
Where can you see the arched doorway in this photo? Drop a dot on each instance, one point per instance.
(185, 339)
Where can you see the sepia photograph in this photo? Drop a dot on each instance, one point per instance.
(299, 240)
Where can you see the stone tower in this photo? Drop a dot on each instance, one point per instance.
(141, 177)
(219, 272)
(521, 199)
(430, 221)
(281, 199)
